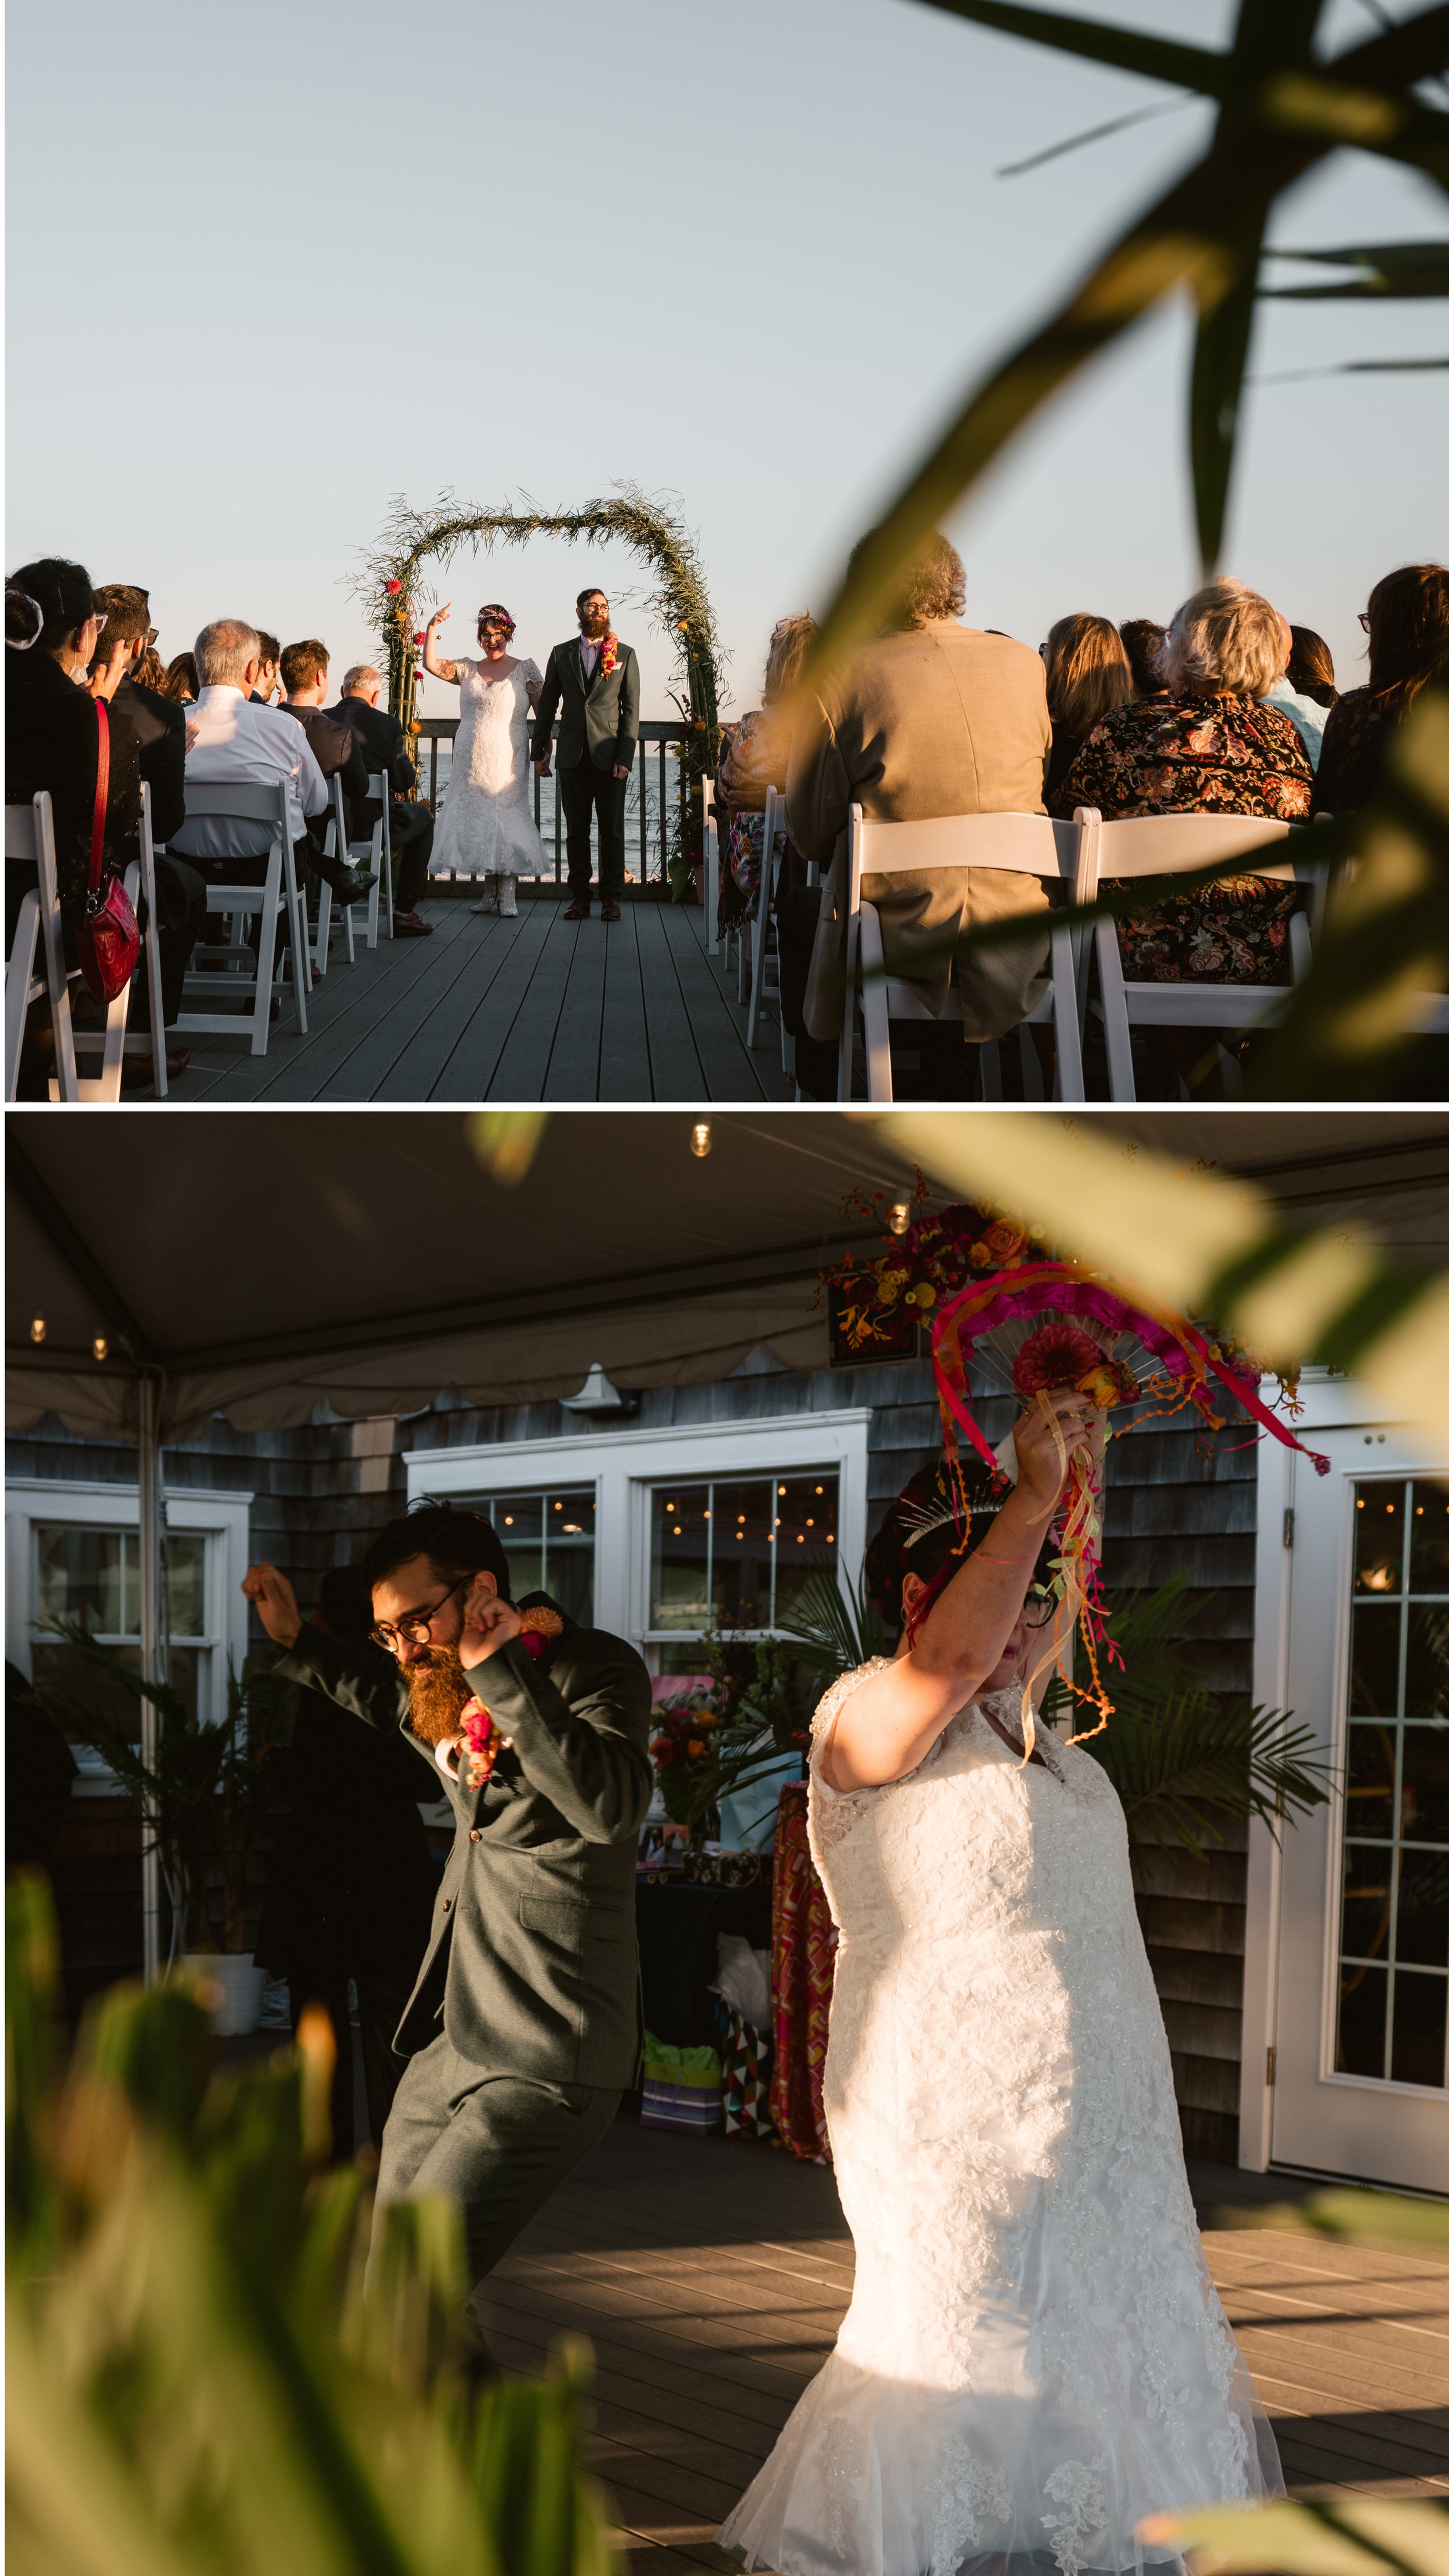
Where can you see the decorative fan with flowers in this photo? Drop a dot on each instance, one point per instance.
(1007, 1317)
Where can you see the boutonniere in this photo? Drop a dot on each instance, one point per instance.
(538, 1629)
(609, 658)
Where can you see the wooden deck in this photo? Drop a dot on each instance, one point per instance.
(537, 1008)
(711, 2275)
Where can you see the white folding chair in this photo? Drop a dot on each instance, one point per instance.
(30, 835)
(712, 937)
(1164, 845)
(376, 854)
(1027, 845)
(759, 929)
(336, 844)
(150, 1042)
(250, 907)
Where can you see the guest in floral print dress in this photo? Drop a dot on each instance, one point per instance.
(1209, 746)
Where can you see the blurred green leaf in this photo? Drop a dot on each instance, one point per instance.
(1361, 2536)
(1351, 2218)
(1386, 269)
(205, 2379)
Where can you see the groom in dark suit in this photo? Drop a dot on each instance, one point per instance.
(522, 2029)
(595, 679)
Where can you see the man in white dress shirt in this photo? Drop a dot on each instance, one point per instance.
(237, 741)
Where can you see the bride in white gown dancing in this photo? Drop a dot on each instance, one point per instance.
(487, 829)
(1035, 2356)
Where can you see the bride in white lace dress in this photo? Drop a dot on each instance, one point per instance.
(487, 828)
(1035, 2356)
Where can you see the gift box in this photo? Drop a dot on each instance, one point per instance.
(746, 2055)
(681, 2088)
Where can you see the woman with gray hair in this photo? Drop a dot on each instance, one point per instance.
(1208, 746)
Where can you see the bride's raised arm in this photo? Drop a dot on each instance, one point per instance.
(891, 1722)
(433, 662)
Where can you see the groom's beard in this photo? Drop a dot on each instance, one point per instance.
(438, 1692)
(595, 626)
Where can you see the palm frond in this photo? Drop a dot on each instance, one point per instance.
(835, 1627)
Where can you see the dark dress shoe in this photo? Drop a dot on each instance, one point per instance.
(608, 912)
(410, 925)
(577, 912)
(354, 885)
(137, 1073)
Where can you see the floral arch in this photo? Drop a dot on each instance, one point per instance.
(391, 584)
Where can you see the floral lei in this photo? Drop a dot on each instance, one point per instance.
(609, 657)
(483, 1742)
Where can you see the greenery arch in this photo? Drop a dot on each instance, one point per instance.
(678, 602)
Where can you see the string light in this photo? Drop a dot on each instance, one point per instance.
(37, 1329)
(99, 1347)
(700, 1139)
(899, 1218)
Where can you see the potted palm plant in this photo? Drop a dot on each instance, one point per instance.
(202, 1798)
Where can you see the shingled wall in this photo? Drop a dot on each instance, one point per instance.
(1173, 1495)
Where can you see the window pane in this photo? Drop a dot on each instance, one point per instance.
(1367, 1873)
(569, 1576)
(518, 1519)
(1423, 1926)
(678, 1581)
(1371, 1780)
(1363, 1995)
(1425, 1810)
(744, 1517)
(185, 1585)
(80, 1574)
(1419, 2004)
(1378, 1532)
(1426, 1669)
(807, 1512)
(1429, 1540)
(190, 1666)
(1374, 1678)
(61, 1668)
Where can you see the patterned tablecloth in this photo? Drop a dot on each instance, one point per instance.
(802, 1976)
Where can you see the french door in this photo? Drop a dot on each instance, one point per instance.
(1361, 2008)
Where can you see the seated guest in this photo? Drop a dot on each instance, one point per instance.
(181, 681)
(269, 679)
(1208, 745)
(150, 672)
(335, 747)
(1303, 712)
(52, 736)
(410, 826)
(1310, 667)
(755, 758)
(160, 729)
(52, 742)
(242, 742)
(1407, 620)
(932, 718)
(1142, 642)
(1087, 675)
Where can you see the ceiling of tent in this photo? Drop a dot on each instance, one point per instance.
(266, 1260)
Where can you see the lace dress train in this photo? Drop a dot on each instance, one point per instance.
(1035, 2357)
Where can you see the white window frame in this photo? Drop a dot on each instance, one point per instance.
(624, 1466)
(1329, 1404)
(224, 1518)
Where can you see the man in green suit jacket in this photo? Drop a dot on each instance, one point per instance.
(595, 680)
(522, 2029)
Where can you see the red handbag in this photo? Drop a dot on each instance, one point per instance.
(108, 938)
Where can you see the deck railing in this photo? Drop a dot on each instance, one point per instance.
(646, 809)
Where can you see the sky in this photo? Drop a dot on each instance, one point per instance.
(745, 257)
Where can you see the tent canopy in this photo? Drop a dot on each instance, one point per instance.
(256, 1262)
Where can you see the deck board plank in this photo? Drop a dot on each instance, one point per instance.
(530, 1009)
(710, 2277)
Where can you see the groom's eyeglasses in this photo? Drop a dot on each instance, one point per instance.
(417, 1628)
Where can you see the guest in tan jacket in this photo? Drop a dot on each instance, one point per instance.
(932, 718)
